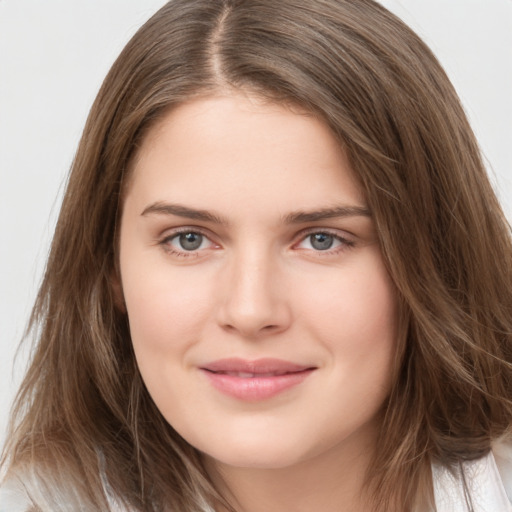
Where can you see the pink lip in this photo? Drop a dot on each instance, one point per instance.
(255, 380)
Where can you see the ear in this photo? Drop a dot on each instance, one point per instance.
(117, 291)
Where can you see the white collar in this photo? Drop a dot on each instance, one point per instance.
(488, 481)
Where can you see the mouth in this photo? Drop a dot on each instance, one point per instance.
(251, 375)
(255, 380)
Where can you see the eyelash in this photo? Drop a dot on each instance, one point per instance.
(345, 243)
(165, 242)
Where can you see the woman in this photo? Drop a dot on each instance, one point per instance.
(280, 279)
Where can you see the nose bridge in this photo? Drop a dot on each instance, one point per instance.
(254, 301)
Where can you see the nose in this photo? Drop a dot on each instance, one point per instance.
(254, 301)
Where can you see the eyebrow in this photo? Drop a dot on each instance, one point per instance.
(183, 211)
(327, 213)
(297, 217)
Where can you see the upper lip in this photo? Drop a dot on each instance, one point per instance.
(264, 366)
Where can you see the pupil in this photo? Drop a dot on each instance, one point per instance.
(191, 241)
(321, 241)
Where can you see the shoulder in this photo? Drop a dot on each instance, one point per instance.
(502, 453)
(488, 481)
(23, 494)
(14, 496)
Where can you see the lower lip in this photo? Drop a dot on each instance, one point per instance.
(256, 388)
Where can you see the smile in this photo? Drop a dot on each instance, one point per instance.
(255, 380)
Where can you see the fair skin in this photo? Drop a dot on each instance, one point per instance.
(245, 235)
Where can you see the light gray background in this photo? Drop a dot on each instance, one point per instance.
(53, 57)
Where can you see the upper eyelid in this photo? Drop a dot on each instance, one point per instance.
(338, 233)
(172, 232)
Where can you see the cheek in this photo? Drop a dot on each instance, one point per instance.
(355, 318)
(371, 308)
(164, 307)
(361, 304)
(164, 325)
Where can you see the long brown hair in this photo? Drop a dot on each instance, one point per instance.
(84, 426)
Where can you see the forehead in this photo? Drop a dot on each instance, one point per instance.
(237, 143)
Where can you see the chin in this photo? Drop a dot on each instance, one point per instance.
(257, 459)
(261, 452)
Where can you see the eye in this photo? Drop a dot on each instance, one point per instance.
(186, 243)
(324, 241)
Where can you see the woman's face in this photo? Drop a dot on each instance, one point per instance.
(261, 313)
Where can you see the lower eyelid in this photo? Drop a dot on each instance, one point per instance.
(171, 250)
